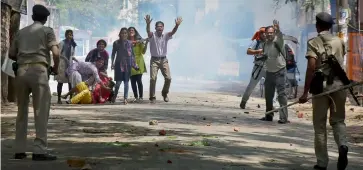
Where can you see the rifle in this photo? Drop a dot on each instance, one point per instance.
(319, 95)
(337, 71)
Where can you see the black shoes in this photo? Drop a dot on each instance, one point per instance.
(20, 155)
(166, 98)
(267, 118)
(283, 121)
(343, 157)
(36, 157)
(317, 167)
(242, 105)
(342, 160)
(152, 100)
(44, 157)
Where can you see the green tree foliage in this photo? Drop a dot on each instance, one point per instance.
(97, 16)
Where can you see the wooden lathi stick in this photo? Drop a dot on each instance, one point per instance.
(319, 95)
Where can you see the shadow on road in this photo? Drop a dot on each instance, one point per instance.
(113, 137)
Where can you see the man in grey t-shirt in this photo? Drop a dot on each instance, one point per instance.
(275, 72)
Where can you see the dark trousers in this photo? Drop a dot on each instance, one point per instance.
(276, 81)
(59, 89)
(136, 83)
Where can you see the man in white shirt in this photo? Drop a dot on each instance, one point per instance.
(158, 51)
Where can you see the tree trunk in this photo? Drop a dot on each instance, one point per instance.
(5, 44)
(10, 22)
(14, 28)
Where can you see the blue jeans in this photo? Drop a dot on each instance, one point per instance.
(126, 78)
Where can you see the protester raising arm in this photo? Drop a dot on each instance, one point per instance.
(148, 21)
(279, 37)
(178, 21)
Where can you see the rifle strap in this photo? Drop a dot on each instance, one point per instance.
(279, 49)
(259, 68)
(325, 47)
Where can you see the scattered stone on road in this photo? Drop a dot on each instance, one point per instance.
(162, 132)
(119, 137)
(153, 122)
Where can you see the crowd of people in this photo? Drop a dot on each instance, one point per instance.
(270, 63)
(89, 82)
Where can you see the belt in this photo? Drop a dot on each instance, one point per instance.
(159, 57)
(33, 64)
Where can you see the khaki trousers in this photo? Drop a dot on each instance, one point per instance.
(157, 63)
(32, 78)
(321, 106)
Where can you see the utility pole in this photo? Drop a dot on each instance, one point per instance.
(343, 16)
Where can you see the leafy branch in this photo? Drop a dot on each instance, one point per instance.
(94, 15)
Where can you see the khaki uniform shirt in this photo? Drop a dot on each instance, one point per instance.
(33, 43)
(334, 46)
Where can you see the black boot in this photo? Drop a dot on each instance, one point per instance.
(152, 100)
(283, 121)
(242, 105)
(317, 167)
(20, 155)
(343, 157)
(59, 92)
(44, 157)
(166, 98)
(268, 118)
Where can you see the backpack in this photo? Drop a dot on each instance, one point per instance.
(290, 57)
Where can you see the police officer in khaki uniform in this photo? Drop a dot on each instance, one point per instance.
(31, 49)
(335, 102)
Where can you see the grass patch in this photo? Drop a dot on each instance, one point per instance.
(199, 143)
(172, 137)
(209, 136)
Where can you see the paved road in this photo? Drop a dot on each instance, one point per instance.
(203, 131)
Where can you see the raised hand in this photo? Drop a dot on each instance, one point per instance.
(178, 20)
(148, 19)
(276, 24)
